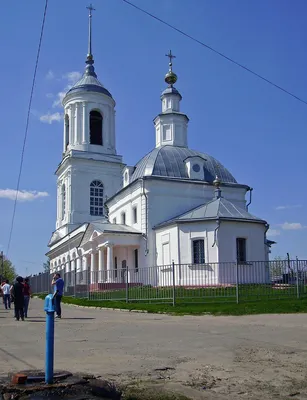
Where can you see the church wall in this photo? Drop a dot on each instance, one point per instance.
(256, 252)
(169, 199)
(125, 203)
(254, 234)
(194, 231)
(175, 243)
(166, 200)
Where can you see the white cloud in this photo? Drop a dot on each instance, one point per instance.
(50, 75)
(288, 207)
(60, 96)
(71, 78)
(292, 226)
(49, 118)
(23, 195)
(273, 232)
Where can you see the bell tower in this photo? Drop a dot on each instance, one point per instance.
(171, 125)
(90, 170)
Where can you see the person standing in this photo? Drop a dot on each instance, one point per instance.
(26, 295)
(6, 294)
(58, 283)
(2, 284)
(17, 293)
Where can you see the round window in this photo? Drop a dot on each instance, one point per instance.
(196, 168)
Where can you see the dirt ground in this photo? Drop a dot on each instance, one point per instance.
(205, 357)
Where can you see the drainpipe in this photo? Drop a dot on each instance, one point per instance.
(146, 218)
(250, 198)
(215, 232)
(267, 227)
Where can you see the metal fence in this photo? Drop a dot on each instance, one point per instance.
(184, 283)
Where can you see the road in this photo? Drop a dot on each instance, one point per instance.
(232, 357)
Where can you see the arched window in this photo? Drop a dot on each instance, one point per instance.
(96, 128)
(96, 198)
(63, 201)
(66, 122)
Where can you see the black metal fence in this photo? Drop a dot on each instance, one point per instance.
(183, 283)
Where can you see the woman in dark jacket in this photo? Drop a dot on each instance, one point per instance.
(17, 293)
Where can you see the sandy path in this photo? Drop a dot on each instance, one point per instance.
(254, 357)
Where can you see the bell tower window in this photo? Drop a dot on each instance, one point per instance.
(66, 130)
(96, 198)
(96, 128)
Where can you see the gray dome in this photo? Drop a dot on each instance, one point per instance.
(89, 83)
(168, 161)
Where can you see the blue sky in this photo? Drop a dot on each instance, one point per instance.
(256, 131)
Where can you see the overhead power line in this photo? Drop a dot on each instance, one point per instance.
(27, 126)
(215, 51)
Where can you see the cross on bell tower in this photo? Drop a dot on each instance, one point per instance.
(170, 77)
(89, 53)
(170, 56)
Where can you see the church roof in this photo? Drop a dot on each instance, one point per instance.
(104, 226)
(216, 209)
(89, 83)
(168, 161)
(170, 90)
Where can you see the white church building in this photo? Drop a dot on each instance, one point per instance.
(175, 205)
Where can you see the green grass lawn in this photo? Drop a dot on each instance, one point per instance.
(265, 305)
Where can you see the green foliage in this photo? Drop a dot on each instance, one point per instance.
(46, 266)
(278, 266)
(7, 269)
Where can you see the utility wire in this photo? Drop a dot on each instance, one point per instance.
(27, 126)
(216, 51)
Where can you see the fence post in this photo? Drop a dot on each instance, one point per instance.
(174, 284)
(237, 282)
(297, 280)
(127, 284)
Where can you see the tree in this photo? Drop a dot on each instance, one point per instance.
(46, 266)
(7, 269)
(278, 266)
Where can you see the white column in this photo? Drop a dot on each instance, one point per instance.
(84, 123)
(85, 270)
(64, 134)
(78, 270)
(71, 124)
(101, 264)
(109, 262)
(93, 278)
(72, 271)
(77, 117)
